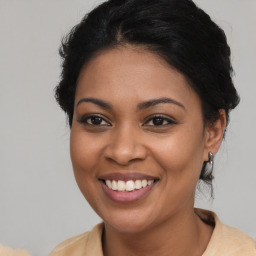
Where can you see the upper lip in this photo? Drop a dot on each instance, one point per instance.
(127, 176)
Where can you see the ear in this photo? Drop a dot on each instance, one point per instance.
(214, 133)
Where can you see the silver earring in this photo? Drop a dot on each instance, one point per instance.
(209, 165)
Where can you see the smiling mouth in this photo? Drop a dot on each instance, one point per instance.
(125, 189)
(128, 186)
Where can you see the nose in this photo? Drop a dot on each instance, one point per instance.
(125, 146)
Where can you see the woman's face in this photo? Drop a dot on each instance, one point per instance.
(136, 121)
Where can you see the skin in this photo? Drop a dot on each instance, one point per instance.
(126, 140)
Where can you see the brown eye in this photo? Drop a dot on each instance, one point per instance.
(94, 120)
(159, 121)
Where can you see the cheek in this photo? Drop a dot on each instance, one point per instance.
(180, 154)
(84, 151)
(180, 158)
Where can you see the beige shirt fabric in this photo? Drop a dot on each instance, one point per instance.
(225, 241)
(8, 251)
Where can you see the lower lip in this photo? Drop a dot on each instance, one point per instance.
(125, 196)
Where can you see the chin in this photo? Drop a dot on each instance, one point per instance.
(128, 222)
(126, 226)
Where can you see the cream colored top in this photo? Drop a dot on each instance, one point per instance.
(8, 251)
(225, 241)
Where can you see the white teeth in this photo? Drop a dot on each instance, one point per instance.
(129, 185)
(150, 182)
(138, 184)
(121, 185)
(144, 183)
(108, 183)
(114, 185)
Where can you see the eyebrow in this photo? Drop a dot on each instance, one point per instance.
(154, 102)
(141, 106)
(98, 102)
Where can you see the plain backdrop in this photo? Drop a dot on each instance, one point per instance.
(40, 204)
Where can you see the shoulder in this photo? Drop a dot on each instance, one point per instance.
(70, 244)
(80, 244)
(5, 251)
(226, 240)
(236, 241)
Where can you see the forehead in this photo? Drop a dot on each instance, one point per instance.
(129, 73)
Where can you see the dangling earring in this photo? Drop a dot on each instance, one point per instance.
(209, 166)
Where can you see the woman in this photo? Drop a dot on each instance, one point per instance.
(147, 89)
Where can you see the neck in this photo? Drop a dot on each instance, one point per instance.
(183, 234)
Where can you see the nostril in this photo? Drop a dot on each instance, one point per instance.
(125, 155)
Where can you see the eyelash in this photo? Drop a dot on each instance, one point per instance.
(165, 121)
(168, 121)
(84, 120)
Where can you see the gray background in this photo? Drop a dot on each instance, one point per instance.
(40, 204)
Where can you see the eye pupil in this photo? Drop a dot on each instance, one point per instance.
(96, 120)
(158, 121)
